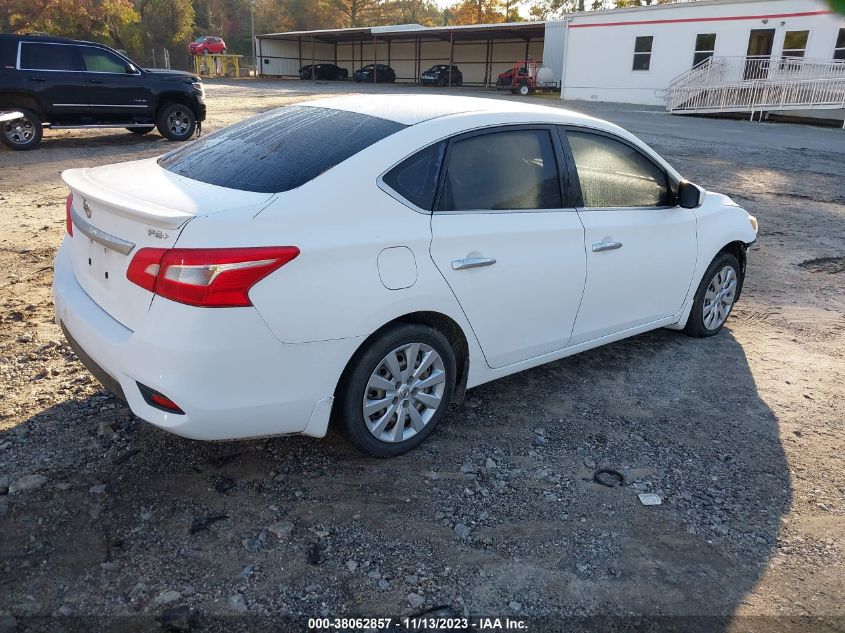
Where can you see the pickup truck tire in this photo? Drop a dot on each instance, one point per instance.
(24, 133)
(141, 130)
(176, 122)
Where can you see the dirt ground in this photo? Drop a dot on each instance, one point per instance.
(104, 516)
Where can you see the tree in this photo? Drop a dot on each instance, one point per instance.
(477, 12)
(550, 9)
(422, 12)
(166, 23)
(356, 12)
(109, 21)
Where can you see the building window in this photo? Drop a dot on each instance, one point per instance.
(705, 45)
(795, 43)
(839, 51)
(642, 52)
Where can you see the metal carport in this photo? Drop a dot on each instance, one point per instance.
(481, 51)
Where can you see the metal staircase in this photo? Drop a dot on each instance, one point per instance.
(758, 84)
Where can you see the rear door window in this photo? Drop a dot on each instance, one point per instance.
(278, 150)
(512, 169)
(42, 56)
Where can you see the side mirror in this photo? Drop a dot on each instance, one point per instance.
(690, 196)
(130, 69)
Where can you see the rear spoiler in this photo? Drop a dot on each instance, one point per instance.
(121, 204)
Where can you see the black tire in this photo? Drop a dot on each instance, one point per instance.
(176, 122)
(349, 411)
(24, 133)
(205, 51)
(141, 130)
(696, 324)
(223, 51)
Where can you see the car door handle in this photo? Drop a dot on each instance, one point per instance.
(95, 81)
(472, 262)
(37, 79)
(598, 247)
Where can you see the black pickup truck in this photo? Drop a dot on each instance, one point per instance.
(61, 83)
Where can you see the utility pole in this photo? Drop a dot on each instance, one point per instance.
(252, 29)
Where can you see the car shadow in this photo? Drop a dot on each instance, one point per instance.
(514, 466)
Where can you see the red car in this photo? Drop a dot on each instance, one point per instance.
(207, 44)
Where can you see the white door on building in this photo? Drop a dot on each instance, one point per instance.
(641, 250)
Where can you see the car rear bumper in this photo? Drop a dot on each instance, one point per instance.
(223, 367)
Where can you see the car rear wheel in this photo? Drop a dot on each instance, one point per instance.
(715, 297)
(176, 122)
(23, 133)
(205, 51)
(223, 51)
(396, 390)
(141, 130)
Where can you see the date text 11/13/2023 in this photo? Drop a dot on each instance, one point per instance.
(419, 623)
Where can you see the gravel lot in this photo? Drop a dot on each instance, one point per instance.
(741, 436)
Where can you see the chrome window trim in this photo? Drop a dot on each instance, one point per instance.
(588, 209)
(101, 237)
(95, 105)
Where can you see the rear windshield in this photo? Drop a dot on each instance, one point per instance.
(278, 150)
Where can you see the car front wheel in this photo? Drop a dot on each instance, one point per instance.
(23, 133)
(715, 297)
(176, 122)
(397, 389)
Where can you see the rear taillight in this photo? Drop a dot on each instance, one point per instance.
(68, 209)
(206, 277)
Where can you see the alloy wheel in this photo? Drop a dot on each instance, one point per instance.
(178, 122)
(719, 298)
(404, 392)
(19, 131)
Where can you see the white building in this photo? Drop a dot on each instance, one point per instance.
(631, 55)
(764, 55)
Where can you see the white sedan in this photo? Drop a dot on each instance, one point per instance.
(365, 260)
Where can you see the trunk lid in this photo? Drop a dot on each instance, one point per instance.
(120, 209)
